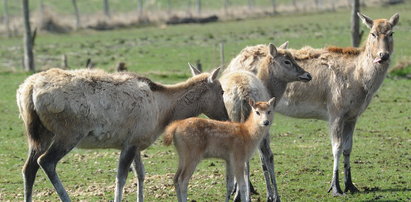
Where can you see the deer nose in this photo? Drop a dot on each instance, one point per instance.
(305, 77)
(384, 55)
(266, 123)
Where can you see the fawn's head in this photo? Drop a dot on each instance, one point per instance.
(262, 111)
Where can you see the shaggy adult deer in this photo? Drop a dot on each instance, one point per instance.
(234, 142)
(345, 79)
(93, 109)
(274, 69)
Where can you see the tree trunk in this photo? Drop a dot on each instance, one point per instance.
(77, 13)
(250, 4)
(333, 5)
(169, 6)
(106, 8)
(6, 17)
(28, 39)
(226, 3)
(274, 7)
(42, 11)
(198, 5)
(140, 8)
(295, 5)
(355, 23)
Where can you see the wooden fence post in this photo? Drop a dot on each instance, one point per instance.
(28, 39)
(107, 8)
(77, 13)
(6, 17)
(355, 23)
(222, 53)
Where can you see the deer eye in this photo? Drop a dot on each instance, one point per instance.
(268, 112)
(287, 62)
(373, 35)
(390, 34)
(257, 112)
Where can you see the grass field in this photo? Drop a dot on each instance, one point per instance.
(381, 158)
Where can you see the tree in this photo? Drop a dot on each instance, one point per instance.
(198, 5)
(140, 8)
(355, 23)
(6, 17)
(106, 8)
(274, 6)
(77, 13)
(28, 59)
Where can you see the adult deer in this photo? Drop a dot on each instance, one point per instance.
(274, 69)
(93, 109)
(344, 81)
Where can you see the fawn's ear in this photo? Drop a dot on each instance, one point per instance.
(194, 70)
(366, 20)
(213, 75)
(394, 19)
(284, 45)
(272, 50)
(272, 101)
(251, 102)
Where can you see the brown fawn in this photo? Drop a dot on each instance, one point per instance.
(234, 142)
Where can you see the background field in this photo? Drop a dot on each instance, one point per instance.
(381, 157)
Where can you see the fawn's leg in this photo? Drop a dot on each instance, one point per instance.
(186, 173)
(229, 178)
(240, 175)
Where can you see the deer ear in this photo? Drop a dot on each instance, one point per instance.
(284, 45)
(213, 75)
(272, 101)
(272, 49)
(251, 102)
(394, 19)
(366, 20)
(194, 70)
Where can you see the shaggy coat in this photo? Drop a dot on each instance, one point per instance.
(93, 109)
(234, 142)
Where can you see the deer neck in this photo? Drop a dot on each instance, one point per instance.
(368, 73)
(180, 104)
(275, 86)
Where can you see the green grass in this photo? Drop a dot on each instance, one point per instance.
(381, 157)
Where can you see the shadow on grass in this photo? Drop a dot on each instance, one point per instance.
(368, 190)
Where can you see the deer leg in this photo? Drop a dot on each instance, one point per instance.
(336, 126)
(347, 147)
(48, 161)
(30, 169)
(185, 175)
(237, 197)
(127, 156)
(267, 160)
(241, 176)
(229, 178)
(138, 169)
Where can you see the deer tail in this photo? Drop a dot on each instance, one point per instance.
(32, 122)
(169, 133)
